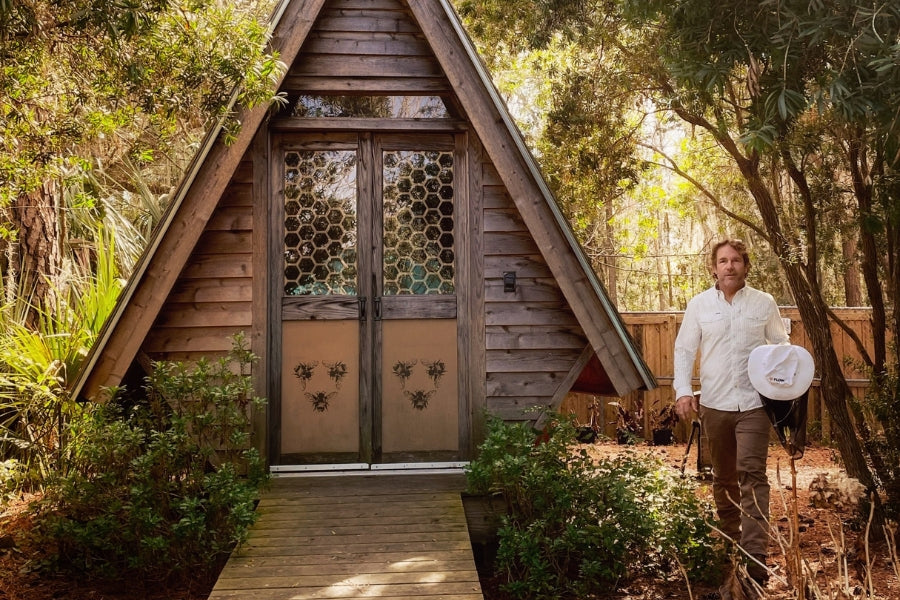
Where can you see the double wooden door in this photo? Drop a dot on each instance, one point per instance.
(368, 253)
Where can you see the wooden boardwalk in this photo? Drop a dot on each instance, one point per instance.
(356, 536)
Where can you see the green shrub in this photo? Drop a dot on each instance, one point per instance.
(12, 472)
(165, 489)
(575, 526)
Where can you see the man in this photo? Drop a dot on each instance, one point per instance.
(725, 323)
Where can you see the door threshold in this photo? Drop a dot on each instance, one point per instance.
(431, 468)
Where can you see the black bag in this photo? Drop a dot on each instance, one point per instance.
(789, 419)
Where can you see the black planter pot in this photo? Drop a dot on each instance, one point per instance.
(663, 437)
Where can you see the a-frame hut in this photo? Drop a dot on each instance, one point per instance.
(388, 245)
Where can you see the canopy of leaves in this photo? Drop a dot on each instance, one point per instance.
(790, 55)
(109, 86)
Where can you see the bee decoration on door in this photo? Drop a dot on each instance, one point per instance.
(419, 398)
(336, 371)
(434, 370)
(403, 370)
(320, 400)
(304, 372)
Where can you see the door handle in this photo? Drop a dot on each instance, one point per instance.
(377, 302)
(362, 308)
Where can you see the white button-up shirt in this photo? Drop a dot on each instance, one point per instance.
(725, 334)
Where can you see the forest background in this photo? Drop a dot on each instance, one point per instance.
(660, 125)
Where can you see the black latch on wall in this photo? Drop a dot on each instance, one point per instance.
(509, 281)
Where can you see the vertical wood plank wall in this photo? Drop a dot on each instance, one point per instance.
(654, 333)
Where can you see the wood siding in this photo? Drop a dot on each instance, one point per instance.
(213, 297)
(532, 339)
(366, 46)
(654, 334)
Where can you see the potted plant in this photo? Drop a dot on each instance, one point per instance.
(629, 425)
(662, 425)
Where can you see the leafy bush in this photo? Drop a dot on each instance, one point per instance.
(163, 490)
(575, 526)
(11, 475)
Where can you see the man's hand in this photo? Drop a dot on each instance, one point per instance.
(686, 407)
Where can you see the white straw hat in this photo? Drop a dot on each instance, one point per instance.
(781, 372)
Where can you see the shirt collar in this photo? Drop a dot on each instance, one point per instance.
(721, 294)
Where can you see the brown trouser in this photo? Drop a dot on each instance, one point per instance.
(738, 447)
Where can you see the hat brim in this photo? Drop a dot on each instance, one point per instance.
(801, 381)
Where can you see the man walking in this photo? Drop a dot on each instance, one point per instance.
(725, 323)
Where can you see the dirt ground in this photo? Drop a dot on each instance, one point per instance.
(831, 542)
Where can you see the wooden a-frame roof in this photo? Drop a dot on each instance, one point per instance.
(209, 173)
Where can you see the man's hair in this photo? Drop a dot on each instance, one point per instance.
(739, 247)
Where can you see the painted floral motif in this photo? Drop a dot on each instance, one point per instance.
(304, 372)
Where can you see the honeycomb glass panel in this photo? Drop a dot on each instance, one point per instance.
(413, 245)
(320, 230)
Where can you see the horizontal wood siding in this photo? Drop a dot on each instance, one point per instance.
(212, 299)
(371, 46)
(654, 334)
(532, 337)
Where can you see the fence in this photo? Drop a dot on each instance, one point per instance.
(654, 336)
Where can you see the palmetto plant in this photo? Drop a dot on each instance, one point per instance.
(37, 364)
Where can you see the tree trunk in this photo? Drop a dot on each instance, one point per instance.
(862, 190)
(35, 219)
(813, 312)
(852, 291)
(612, 267)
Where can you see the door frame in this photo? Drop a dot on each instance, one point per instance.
(370, 433)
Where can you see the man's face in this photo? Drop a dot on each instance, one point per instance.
(731, 272)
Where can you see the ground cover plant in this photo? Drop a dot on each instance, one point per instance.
(576, 526)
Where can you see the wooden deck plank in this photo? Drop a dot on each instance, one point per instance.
(341, 541)
(369, 501)
(438, 594)
(351, 526)
(372, 536)
(369, 579)
(445, 556)
(255, 569)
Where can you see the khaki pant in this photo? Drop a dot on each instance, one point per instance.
(738, 446)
